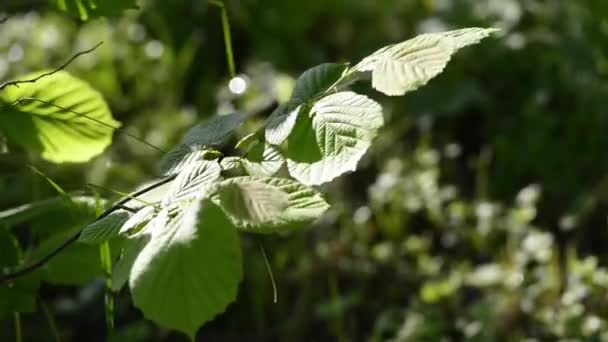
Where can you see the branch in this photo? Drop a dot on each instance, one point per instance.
(61, 67)
(3, 20)
(68, 242)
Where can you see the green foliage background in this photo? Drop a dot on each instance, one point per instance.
(479, 213)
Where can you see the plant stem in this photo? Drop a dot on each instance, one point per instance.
(49, 318)
(106, 264)
(227, 36)
(18, 335)
(274, 285)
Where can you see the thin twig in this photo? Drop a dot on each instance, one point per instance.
(68, 242)
(120, 193)
(61, 67)
(3, 20)
(269, 269)
(141, 140)
(50, 319)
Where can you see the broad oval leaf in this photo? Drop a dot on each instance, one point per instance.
(281, 122)
(193, 266)
(105, 228)
(263, 160)
(193, 182)
(214, 131)
(60, 117)
(304, 204)
(122, 269)
(316, 81)
(180, 158)
(253, 202)
(404, 67)
(332, 139)
(141, 217)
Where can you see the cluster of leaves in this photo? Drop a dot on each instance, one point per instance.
(183, 244)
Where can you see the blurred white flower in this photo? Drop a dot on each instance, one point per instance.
(154, 49)
(529, 195)
(486, 275)
(538, 245)
(362, 215)
(485, 210)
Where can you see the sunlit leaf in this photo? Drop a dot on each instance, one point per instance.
(333, 137)
(193, 182)
(105, 228)
(73, 124)
(193, 265)
(304, 204)
(404, 67)
(253, 202)
(312, 83)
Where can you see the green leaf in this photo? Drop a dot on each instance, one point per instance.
(154, 196)
(122, 268)
(304, 204)
(252, 202)
(76, 265)
(82, 206)
(230, 163)
(215, 131)
(105, 228)
(72, 124)
(404, 67)
(263, 160)
(316, 81)
(195, 144)
(189, 271)
(141, 217)
(180, 158)
(312, 83)
(193, 182)
(281, 122)
(333, 137)
(87, 9)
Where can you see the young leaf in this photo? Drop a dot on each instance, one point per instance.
(131, 248)
(104, 229)
(316, 81)
(193, 265)
(87, 9)
(312, 83)
(304, 204)
(180, 158)
(59, 116)
(193, 182)
(141, 217)
(332, 139)
(252, 202)
(263, 160)
(404, 67)
(281, 122)
(213, 132)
